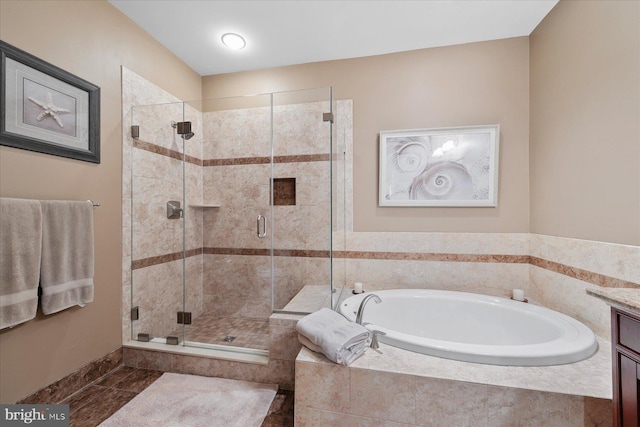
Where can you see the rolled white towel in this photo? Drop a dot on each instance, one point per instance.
(311, 346)
(337, 338)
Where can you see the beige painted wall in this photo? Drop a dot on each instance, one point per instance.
(472, 84)
(585, 122)
(91, 39)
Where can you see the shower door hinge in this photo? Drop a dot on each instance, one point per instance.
(135, 313)
(327, 117)
(184, 317)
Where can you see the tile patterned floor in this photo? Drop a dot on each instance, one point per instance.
(248, 333)
(95, 403)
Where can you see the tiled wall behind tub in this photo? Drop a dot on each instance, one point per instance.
(563, 269)
(555, 272)
(486, 263)
(153, 173)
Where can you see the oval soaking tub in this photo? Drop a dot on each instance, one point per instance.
(474, 328)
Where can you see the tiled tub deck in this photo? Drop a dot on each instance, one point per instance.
(394, 387)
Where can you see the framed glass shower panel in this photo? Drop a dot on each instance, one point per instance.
(302, 169)
(236, 224)
(157, 235)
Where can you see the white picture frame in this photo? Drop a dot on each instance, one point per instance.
(439, 167)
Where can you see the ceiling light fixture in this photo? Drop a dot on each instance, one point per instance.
(233, 41)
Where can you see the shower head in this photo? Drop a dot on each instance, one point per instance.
(183, 129)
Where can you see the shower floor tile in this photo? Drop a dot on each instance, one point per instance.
(209, 329)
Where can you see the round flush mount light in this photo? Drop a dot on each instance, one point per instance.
(233, 41)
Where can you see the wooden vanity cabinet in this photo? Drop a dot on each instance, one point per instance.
(626, 367)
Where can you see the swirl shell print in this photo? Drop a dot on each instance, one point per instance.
(412, 158)
(442, 181)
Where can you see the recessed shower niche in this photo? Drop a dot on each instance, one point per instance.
(260, 180)
(284, 191)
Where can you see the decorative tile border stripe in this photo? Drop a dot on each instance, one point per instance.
(310, 253)
(61, 389)
(156, 149)
(261, 160)
(266, 160)
(258, 160)
(584, 275)
(416, 256)
(237, 161)
(573, 272)
(236, 251)
(303, 253)
(161, 259)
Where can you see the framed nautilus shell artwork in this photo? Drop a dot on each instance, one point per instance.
(439, 167)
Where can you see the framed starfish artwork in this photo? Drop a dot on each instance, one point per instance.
(47, 109)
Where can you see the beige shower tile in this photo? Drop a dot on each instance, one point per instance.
(301, 227)
(597, 412)
(455, 243)
(237, 185)
(154, 360)
(609, 259)
(311, 417)
(283, 342)
(279, 372)
(234, 227)
(568, 296)
(315, 271)
(157, 291)
(486, 278)
(194, 365)
(450, 403)
(256, 308)
(382, 395)
(237, 275)
(326, 386)
(510, 407)
(222, 305)
(238, 132)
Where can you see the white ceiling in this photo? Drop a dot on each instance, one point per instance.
(300, 31)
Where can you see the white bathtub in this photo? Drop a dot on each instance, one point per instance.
(474, 328)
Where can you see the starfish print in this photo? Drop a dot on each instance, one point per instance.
(49, 109)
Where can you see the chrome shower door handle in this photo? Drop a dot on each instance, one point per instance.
(264, 227)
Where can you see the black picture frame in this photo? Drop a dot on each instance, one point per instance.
(62, 117)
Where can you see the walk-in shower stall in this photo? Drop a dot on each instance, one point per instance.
(237, 206)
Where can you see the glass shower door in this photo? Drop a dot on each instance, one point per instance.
(235, 213)
(236, 223)
(157, 226)
(302, 199)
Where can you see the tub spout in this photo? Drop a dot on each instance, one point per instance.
(366, 299)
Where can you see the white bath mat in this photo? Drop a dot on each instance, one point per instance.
(193, 401)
